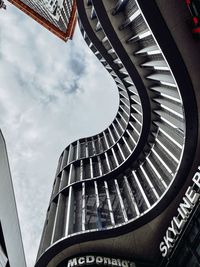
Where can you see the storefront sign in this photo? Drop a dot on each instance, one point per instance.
(99, 260)
(185, 208)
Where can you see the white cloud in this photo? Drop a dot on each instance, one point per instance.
(51, 93)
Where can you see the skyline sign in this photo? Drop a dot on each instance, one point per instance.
(185, 208)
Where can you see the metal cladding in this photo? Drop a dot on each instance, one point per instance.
(59, 17)
(128, 173)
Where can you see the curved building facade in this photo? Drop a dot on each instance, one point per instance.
(113, 192)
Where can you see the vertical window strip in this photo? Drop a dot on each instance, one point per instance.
(121, 201)
(109, 204)
(83, 207)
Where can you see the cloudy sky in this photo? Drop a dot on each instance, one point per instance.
(51, 93)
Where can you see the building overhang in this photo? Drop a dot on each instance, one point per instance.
(45, 23)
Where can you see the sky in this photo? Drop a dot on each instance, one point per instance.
(51, 93)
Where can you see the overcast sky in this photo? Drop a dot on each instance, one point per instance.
(51, 93)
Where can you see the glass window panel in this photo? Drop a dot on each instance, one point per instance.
(77, 172)
(103, 215)
(110, 142)
(125, 149)
(193, 233)
(97, 147)
(128, 205)
(112, 161)
(91, 208)
(86, 170)
(90, 148)
(103, 143)
(73, 152)
(118, 155)
(104, 165)
(82, 150)
(137, 194)
(146, 187)
(77, 210)
(116, 207)
(114, 133)
(95, 165)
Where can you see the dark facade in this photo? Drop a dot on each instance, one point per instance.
(115, 193)
(186, 251)
(11, 248)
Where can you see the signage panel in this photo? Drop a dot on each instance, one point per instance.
(185, 208)
(97, 260)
